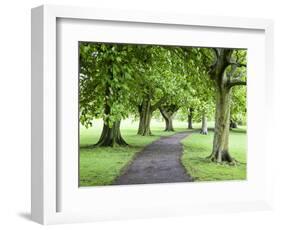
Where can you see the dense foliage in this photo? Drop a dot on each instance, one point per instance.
(124, 80)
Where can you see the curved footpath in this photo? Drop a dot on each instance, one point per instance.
(158, 162)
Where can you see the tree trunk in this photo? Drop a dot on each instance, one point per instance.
(111, 136)
(233, 124)
(145, 118)
(168, 117)
(224, 81)
(169, 124)
(204, 128)
(222, 121)
(190, 115)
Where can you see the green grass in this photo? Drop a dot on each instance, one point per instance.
(197, 147)
(101, 166)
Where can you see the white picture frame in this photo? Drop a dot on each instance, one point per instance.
(47, 175)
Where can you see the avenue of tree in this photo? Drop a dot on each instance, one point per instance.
(119, 81)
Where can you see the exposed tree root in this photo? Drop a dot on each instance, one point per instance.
(111, 136)
(144, 132)
(223, 158)
(111, 143)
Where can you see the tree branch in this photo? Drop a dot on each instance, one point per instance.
(168, 110)
(237, 64)
(163, 112)
(230, 74)
(236, 82)
(158, 103)
(212, 67)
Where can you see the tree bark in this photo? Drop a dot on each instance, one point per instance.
(111, 136)
(189, 118)
(223, 83)
(204, 128)
(220, 150)
(145, 112)
(168, 117)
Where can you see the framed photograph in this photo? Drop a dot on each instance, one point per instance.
(141, 114)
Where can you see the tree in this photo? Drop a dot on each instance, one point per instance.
(105, 78)
(160, 85)
(227, 71)
(183, 95)
(199, 101)
(150, 93)
(168, 111)
(189, 117)
(206, 96)
(146, 110)
(202, 102)
(206, 108)
(204, 127)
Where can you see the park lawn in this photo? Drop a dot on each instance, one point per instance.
(102, 165)
(197, 147)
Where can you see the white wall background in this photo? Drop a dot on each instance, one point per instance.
(15, 113)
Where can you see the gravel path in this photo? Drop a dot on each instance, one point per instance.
(158, 162)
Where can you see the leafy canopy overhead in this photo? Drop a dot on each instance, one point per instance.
(120, 76)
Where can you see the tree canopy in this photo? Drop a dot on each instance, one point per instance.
(121, 80)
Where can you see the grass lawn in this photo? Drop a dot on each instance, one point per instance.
(197, 147)
(101, 166)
